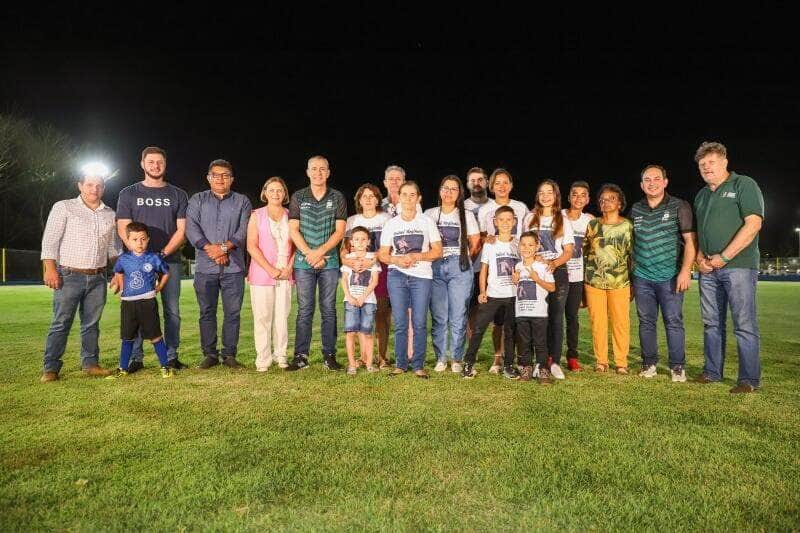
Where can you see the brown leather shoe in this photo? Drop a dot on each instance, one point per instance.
(97, 371)
(421, 374)
(743, 388)
(49, 376)
(396, 372)
(703, 379)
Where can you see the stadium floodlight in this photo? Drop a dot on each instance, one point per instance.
(95, 169)
(797, 230)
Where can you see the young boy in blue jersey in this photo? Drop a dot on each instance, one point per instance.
(140, 274)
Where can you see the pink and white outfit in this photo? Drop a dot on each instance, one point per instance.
(271, 299)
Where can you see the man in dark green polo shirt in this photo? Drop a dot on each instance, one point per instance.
(317, 219)
(729, 211)
(664, 249)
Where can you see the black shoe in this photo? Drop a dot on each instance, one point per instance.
(208, 362)
(231, 362)
(510, 372)
(468, 372)
(299, 362)
(176, 365)
(135, 366)
(330, 362)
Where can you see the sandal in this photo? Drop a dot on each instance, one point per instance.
(622, 370)
(600, 367)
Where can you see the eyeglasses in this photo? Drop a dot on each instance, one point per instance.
(449, 189)
(223, 176)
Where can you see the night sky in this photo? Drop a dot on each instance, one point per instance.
(574, 95)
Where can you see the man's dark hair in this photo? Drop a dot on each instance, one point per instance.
(221, 163)
(653, 165)
(137, 227)
(154, 150)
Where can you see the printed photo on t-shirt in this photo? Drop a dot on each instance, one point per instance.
(408, 244)
(505, 265)
(375, 241)
(546, 240)
(577, 251)
(360, 279)
(450, 236)
(526, 290)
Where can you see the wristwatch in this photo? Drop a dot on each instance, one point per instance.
(223, 247)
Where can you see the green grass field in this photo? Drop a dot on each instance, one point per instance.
(314, 450)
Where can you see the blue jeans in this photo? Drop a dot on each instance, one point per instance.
(170, 303)
(78, 292)
(409, 292)
(556, 303)
(451, 291)
(735, 287)
(650, 296)
(208, 287)
(359, 319)
(306, 282)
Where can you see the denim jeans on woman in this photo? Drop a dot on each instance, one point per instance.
(450, 294)
(556, 302)
(415, 293)
(649, 297)
(306, 282)
(734, 287)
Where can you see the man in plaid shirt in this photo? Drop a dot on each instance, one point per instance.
(78, 241)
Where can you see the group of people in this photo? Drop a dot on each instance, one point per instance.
(471, 261)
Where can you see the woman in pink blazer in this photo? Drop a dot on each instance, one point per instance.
(270, 276)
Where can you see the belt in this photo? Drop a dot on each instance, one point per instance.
(87, 271)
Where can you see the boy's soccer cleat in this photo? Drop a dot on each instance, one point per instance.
(118, 373)
(167, 372)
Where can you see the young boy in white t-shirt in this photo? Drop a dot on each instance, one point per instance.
(360, 303)
(534, 283)
(496, 293)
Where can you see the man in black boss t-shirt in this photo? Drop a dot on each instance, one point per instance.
(162, 207)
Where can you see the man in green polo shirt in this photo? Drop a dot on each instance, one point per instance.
(729, 211)
(664, 249)
(317, 219)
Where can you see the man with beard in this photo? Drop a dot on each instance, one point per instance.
(162, 207)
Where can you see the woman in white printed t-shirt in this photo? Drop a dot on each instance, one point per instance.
(409, 243)
(370, 215)
(452, 274)
(556, 244)
(578, 200)
(500, 185)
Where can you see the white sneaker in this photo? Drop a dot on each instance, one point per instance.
(535, 371)
(441, 366)
(457, 367)
(282, 362)
(678, 374)
(495, 369)
(262, 365)
(556, 371)
(648, 372)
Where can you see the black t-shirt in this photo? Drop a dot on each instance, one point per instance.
(158, 207)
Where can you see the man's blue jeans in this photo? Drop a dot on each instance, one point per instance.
(409, 292)
(208, 287)
(170, 303)
(306, 282)
(450, 294)
(78, 292)
(734, 287)
(650, 297)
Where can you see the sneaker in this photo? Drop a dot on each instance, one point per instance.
(704, 379)
(329, 362)
(742, 388)
(299, 362)
(118, 373)
(556, 371)
(648, 371)
(175, 364)
(167, 372)
(421, 373)
(232, 363)
(495, 369)
(545, 377)
(97, 371)
(526, 374)
(457, 367)
(207, 362)
(282, 362)
(469, 371)
(396, 372)
(441, 366)
(135, 366)
(509, 372)
(351, 370)
(536, 371)
(573, 365)
(678, 374)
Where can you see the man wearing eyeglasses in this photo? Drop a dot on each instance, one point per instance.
(162, 207)
(216, 225)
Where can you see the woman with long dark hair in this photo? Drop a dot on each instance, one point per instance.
(452, 274)
(556, 243)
